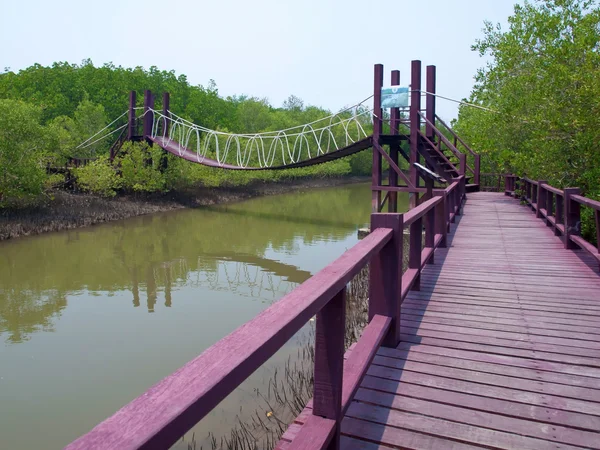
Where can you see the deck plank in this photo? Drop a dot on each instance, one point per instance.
(500, 347)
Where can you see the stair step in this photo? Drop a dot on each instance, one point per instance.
(472, 188)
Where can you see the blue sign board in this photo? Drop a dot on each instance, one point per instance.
(394, 97)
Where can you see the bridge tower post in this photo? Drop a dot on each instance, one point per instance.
(394, 148)
(377, 130)
(166, 104)
(131, 128)
(430, 102)
(415, 126)
(148, 119)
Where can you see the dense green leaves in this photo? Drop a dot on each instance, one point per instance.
(68, 103)
(23, 147)
(543, 82)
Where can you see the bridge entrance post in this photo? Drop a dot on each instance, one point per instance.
(385, 275)
(394, 148)
(131, 127)
(415, 126)
(377, 129)
(148, 105)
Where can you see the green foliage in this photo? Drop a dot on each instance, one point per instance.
(543, 82)
(68, 103)
(23, 145)
(141, 168)
(99, 177)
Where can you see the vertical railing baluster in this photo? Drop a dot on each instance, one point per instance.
(385, 276)
(572, 217)
(549, 207)
(541, 198)
(415, 247)
(441, 218)
(559, 213)
(329, 363)
(430, 232)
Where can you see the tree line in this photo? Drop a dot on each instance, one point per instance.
(541, 94)
(47, 112)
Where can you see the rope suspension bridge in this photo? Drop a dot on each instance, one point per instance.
(486, 338)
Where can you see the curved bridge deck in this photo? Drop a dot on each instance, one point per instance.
(500, 348)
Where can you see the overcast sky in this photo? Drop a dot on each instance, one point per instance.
(322, 51)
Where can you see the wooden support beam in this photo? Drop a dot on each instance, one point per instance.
(377, 129)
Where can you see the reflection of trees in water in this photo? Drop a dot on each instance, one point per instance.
(24, 312)
(156, 254)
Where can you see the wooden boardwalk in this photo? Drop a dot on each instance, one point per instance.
(500, 348)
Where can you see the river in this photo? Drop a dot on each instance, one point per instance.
(91, 318)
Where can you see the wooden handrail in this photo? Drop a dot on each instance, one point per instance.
(560, 209)
(446, 142)
(160, 416)
(455, 135)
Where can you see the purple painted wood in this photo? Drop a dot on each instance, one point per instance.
(394, 148)
(317, 432)
(414, 252)
(559, 213)
(385, 275)
(329, 363)
(541, 197)
(165, 110)
(159, 417)
(377, 129)
(572, 216)
(131, 117)
(415, 126)
(441, 217)
(362, 355)
(477, 168)
(430, 101)
(147, 120)
(430, 223)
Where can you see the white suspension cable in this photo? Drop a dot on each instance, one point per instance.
(106, 127)
(473, 105)
(104, 137)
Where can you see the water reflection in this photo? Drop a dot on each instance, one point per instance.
(90, 318)
(221, 248)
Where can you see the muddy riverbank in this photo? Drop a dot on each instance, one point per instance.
(74, 210)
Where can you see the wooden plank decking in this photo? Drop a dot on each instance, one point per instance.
(500, 347)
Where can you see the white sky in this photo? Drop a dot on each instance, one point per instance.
(322, 51)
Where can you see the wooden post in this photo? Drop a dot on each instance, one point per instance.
(414, 252)
(394, 148)
(430, 101)
(560, 211)
(165, 111)
(534, 197)
(385, 276)
(329, 362)
(148, 119)
(377, 129)
(549, 207)
(430, 221)
(415, 126)
(132, 125)
(441, 218)
(541, 198)
(572, 216)
(507, 185)
(462, 168)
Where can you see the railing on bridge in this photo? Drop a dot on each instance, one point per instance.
(560, 209)
(160, 416)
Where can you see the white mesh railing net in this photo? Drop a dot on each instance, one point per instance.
(270, 148)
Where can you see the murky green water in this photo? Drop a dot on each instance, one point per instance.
(89, 319)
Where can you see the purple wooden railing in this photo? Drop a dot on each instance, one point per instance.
(160, 416)
(560, 209)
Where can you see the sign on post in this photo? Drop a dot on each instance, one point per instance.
(394, 97)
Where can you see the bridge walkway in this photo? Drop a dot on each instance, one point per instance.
(500, 347)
